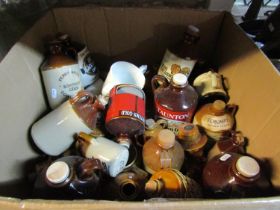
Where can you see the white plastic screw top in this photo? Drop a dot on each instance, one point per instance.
(179, 79)
(248, 166)
(58, 172)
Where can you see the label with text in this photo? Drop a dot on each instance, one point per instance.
(217, 123)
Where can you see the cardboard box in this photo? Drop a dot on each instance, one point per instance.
(138, 35)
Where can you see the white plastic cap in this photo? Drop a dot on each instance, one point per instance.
(248, 166)
(150, 123)
(166, 139)
(58, 172)
(179, 79)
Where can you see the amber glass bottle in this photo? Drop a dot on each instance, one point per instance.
(182, 57)
(162, 151)
(171, 183)
(233, 175)
(175, 102)
(216, 118)
(70, 177)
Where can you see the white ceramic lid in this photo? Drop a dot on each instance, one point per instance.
(166, 139)
(179, 79)
(150, 123)
(247, 166)
(58, 172)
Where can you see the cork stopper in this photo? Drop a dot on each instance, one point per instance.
(57, 172)
(153, 186)
(247, 166)
(166, 139)
(189, 132)
(219, 105)
(179, 79)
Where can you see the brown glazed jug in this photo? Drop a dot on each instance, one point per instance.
(229, 142)
(175, 102)
(126, 186)
(171, 183)
(216, 118)
(233, 175)
(70, 177)
(162, 151)
(61, 75)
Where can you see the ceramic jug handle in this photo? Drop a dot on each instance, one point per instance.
(232, 109)
(158, 81)
(82, 97)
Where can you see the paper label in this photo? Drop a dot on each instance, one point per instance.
(217, 123)
(174, 119)
(172, 64)
(61, 83)
(225, 157)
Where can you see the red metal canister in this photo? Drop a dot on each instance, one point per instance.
(126, 112)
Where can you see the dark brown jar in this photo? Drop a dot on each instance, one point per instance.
(70, 177)
(175, 102)
(182, 57)
(229, 142)
(232, 175)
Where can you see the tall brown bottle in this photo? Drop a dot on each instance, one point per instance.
(175, 102)
(233, 175)
(182, 57)
(61, 75)
(171, 183)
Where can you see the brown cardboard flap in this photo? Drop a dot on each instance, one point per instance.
(254, 86)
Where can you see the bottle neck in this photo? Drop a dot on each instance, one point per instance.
(154, 187)
(177, 88)
(124, 140)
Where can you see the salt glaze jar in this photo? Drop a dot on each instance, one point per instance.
(175, 102)
(113, 155)
(191, 139)
(61, 75)
(209, 87)
(162, 151)
(231, 175)
(126, 186)
(71, 177)
(216, 118)
(229, 142)
(171, 183)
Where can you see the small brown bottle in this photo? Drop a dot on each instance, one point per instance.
(216, 118)
(171, 183)
(126, 186)
(70, 177)
(175, 102)
(182, 57)
(162, 151)
(61, 75)
(229, 142)
(231, 175)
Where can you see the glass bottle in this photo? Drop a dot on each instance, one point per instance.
(61, 75)
(113, 155)
(175, 102)
(216, 118)
(182, 57)
(162, 151)
(171, 183)
(126, 186)
(71, 177)
(229, 142)
(232, 175)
